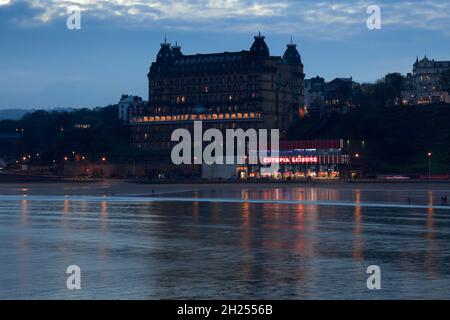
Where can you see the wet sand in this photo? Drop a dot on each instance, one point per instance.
(126, 188)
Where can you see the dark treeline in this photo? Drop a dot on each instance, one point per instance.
(398, 138)
(52, 135)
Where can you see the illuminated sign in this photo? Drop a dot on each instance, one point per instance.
(291, 160)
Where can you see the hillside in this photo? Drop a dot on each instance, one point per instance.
(397, 138)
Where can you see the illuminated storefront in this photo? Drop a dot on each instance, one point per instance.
(299, 160)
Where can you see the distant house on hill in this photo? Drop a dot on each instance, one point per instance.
(324, 97)
(126, 103)
(423, 86)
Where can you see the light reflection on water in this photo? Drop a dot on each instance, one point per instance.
(245, 250)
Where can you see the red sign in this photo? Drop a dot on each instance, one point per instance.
(291, 160)
(311, 144)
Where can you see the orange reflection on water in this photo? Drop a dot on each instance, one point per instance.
(358, 229)
(195, 211)
(245, 237)
(66, 207)
(300, 212)
(430, 219)
(104, 208)
(313, 196)
(24, 213)
(430, 258)
(23, 244)
(246, 214)
(245, 242)
(104, 215)
(300, 227)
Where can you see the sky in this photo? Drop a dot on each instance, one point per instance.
(43, 64)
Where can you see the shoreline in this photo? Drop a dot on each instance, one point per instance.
(116, 187)
(313, 182)
(6, 178)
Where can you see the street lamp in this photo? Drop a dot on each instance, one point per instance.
(429, 165)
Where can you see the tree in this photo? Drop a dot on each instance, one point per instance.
(394, 82)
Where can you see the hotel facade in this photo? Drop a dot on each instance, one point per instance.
(228, 90)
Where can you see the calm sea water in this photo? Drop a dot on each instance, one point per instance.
(263, 244)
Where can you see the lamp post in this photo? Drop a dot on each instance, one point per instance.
(429, 165)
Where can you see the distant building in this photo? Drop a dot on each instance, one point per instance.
(324, 97)
(126, 103)
(422, 86)
(314, 95)
(339, 94)
(306, 159)
(82, 126)
(229, 90)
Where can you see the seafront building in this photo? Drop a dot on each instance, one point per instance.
(248, 89)
(227, 90)
(297, 160)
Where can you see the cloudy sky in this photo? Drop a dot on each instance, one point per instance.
(45, 65)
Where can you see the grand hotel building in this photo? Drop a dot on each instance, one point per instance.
(229, 90)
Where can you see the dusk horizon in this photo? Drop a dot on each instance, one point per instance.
(60, 68)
